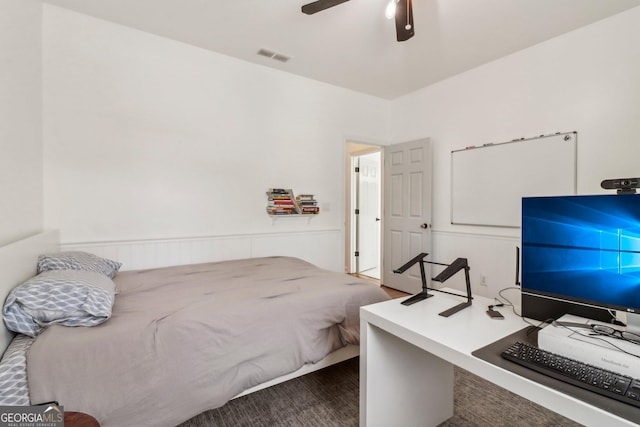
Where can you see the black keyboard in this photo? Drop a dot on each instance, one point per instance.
(598, 380)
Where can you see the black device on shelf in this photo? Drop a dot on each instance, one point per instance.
(622, 185)
(451, 269)
(601, 381)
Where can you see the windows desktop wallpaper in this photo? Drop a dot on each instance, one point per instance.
(584, 248)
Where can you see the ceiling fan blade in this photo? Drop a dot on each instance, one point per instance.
(320, 5)
(404, 20)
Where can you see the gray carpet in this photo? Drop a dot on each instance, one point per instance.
(481, 403)
(329, 398)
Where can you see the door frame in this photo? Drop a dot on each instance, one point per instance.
(359, 148)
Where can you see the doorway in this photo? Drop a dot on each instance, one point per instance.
(365, 209)
(403, 196)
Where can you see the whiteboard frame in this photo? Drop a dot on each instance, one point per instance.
(574, 165)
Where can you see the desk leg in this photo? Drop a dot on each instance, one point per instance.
(401, 384)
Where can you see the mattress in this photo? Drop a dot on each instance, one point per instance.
(185, 339)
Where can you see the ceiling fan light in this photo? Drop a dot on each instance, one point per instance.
(390, 11)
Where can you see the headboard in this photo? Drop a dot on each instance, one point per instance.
(18, 261)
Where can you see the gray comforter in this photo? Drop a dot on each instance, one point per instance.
(185, 339)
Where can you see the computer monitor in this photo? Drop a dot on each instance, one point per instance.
(581, 255)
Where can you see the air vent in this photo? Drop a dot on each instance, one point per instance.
(273, 55)
(281, 58)
(267, 53)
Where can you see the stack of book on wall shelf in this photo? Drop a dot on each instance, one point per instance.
(307, 204)
(281, 202)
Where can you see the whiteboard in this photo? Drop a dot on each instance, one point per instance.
(489, 181)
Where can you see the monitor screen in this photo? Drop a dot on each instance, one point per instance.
(583, 249)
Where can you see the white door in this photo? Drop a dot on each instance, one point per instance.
(368, 221)
(407, 212)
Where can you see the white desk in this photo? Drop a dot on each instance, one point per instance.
(407, 354)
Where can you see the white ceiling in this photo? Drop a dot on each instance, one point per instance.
(353, 45)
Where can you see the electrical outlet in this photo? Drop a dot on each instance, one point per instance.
(483, 280)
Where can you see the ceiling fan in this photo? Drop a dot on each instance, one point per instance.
(402, 8)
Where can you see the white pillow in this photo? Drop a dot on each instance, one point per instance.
(65, 297)
(77, 260)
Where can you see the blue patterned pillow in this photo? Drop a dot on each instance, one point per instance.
(77, 260)
(14, 390)
(64, 297)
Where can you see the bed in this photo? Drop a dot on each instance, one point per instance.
(182, 340)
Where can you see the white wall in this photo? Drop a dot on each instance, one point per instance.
(148, 138)
(21, 212)
(585, 81)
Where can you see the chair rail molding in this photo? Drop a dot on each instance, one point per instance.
(323, 248)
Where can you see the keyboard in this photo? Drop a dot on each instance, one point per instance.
(601, 381)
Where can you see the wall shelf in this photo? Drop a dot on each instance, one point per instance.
(283, 204)
(304, 217)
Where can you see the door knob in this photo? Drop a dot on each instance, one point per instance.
(377, 219)
(425, 225)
